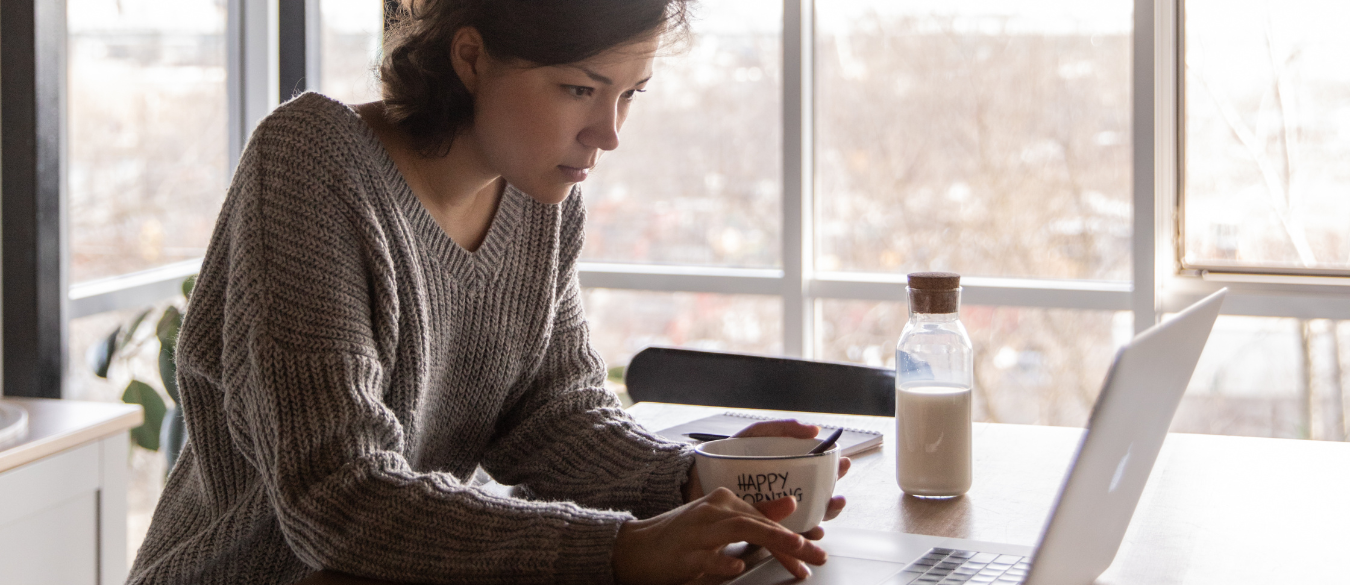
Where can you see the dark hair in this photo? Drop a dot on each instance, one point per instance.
(425, 98)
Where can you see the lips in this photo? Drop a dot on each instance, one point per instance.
(574, 174)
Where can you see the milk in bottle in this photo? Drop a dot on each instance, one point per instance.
(934, 374)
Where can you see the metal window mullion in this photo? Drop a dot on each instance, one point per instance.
(1146, 136)
(1074, 295)
(313, 46)
(799, 312)
(292, 42)
(252, 77)
(751, 282)
(234, 82)
(128, 291)
(32, 68)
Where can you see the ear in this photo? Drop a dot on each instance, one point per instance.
(469, 57)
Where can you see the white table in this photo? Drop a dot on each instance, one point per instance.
(63, 494)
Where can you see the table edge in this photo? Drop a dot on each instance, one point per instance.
(121, 417)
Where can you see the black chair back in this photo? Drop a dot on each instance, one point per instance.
(684, 376)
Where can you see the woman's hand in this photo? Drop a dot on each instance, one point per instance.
(779, 428)
(686, 542)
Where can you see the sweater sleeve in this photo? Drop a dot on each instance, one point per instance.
(568, 438)
(303, 376)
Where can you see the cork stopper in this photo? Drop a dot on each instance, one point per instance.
(934, 292)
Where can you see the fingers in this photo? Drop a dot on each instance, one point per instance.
(729, 515)
(724, 519)
(780, 428)
(763, 532)
(688, 541)
(816, 533)
(835, 506)
(793, 565)
(752, 529)
(778, 509)
(844, 465)
(713, 562)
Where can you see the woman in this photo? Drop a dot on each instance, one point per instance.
(389, 301)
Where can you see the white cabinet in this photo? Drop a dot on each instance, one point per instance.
(63, 495)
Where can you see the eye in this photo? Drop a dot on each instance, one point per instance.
(632, 93)
(579, 91)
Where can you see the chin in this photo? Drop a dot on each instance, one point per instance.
(548, 194)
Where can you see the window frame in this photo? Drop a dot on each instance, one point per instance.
(1222, 273)
(1160, 283)
(32, 66)
(1302, 294)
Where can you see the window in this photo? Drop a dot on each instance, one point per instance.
(349, 49)
(1032, 366)
(1267, 134)
(1269, 377)
(1088, 166)
(624, 322)
(790, 165)
(989, 139)
(147, 118)
(698, 178)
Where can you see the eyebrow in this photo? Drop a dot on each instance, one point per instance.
(605, 80)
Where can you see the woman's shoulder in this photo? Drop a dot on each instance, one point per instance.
(314, 151)
(312, 130)
(310, 111)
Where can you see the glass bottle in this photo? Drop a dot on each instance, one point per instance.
(934, 375)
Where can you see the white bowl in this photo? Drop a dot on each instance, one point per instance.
(759, 469)
(13, 422)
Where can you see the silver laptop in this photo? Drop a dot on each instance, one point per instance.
(1101, 488)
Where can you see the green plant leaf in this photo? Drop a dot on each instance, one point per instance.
(168, 372)
(188, 284)
(167, 329)
(131, 329)
(100, 355)
(146, 435)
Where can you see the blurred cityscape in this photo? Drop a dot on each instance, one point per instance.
(991, 140)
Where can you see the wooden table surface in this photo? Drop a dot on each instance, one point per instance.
(1217, 510)
(1220, 510)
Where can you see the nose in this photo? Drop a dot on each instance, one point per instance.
(603, 131)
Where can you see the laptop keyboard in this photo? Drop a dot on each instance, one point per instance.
(945, 566)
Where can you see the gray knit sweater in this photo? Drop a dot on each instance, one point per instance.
(345, 367)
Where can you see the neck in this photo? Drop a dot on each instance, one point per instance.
(457, 188)
(459, 180)
(455, 180)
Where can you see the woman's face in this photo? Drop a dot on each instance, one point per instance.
(543, 128)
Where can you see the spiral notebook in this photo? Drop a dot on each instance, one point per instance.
(853, 441)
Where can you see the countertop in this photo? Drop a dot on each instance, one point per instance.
(57, 425)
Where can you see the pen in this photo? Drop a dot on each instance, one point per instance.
(705, 436)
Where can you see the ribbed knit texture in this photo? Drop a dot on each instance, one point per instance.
(345, 367)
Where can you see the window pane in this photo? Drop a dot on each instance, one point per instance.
(624, 322)
(147, 120)
(1268, 377)
(697, 179)
(986, 138)
(350, 49)
(140, 359)
(1258, 376)
(1032, 366)
(1267, 134)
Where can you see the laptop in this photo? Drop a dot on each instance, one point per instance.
(1101, 489)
